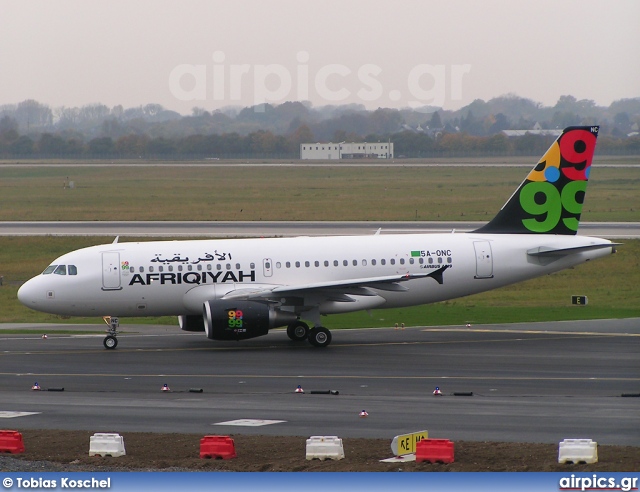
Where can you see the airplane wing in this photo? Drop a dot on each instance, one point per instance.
(353, 286)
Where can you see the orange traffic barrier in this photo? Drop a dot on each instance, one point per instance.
(217, 447)
(11, 442)
(434, 450)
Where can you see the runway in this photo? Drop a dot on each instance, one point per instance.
(537, 382)
(612, 230)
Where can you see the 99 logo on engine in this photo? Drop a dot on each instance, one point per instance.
(235, 319)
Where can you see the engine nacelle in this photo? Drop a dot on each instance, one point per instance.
(240, 320)
(191, 323)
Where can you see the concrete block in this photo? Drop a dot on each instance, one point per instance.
(325, 447)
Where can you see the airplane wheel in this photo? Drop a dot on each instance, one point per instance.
(298, 331)
(110, 342)
(319, 336)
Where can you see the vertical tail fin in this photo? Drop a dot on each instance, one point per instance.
(549, 200)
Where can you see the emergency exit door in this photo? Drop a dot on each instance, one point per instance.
(484, 259)
(111, 270)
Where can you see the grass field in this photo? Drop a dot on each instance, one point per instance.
(327, 192)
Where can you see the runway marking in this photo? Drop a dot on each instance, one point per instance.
(250, 422)
(530, 332)
(284, 346)
(11, 415)
(339, 377)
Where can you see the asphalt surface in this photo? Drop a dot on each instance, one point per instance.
(613, 230)
(539, 382)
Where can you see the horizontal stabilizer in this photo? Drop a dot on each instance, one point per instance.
(549, 251)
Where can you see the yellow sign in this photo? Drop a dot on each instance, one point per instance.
(406, 444)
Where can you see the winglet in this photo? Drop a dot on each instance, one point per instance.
(549, 200)
(438, 274)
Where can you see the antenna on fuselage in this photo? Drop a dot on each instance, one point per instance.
(378, 232)
(115, 241)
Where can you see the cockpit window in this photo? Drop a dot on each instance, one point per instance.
(61, 270)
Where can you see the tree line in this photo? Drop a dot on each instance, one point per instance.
(34, 130)
(265, 144)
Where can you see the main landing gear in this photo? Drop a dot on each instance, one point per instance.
(110, 341)
(318, 336)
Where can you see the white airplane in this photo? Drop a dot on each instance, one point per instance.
(234, 289)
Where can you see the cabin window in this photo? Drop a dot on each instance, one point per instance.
(49, 269)
(440, 259)
(151, 268)
(383, 261)
(307, 264)
(189, 267)
(402, 261)
(131, 269)
(449, 259)
(335, 263)
(278, 265)
(355, 262)
(199, 267)
(253, 265)
(297, 264)
(228, 266)
(345, 262)
(72, 270)
(373, 262)
(141, 269)
(179, 268)
(364, 262)
(288, 264)
(160, 268)
(208, 266)
(326, 263)
(430, 261)
(411, 260)
(392, 261)
(219, 266)
(316, 263)
(170, 268)
(237, 266)
(421, 261)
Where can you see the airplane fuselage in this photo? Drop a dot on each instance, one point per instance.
(176, 277)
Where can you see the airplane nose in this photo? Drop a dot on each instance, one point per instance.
(27, 293)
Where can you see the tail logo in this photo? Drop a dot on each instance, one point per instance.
(550, 198)
(556, 186)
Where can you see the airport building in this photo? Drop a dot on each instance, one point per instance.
(344, 150)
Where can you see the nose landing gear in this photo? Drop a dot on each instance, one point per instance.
(110, 341)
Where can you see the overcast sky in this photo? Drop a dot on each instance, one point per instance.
(378, 53)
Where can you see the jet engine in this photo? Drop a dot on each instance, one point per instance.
(240, 320)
